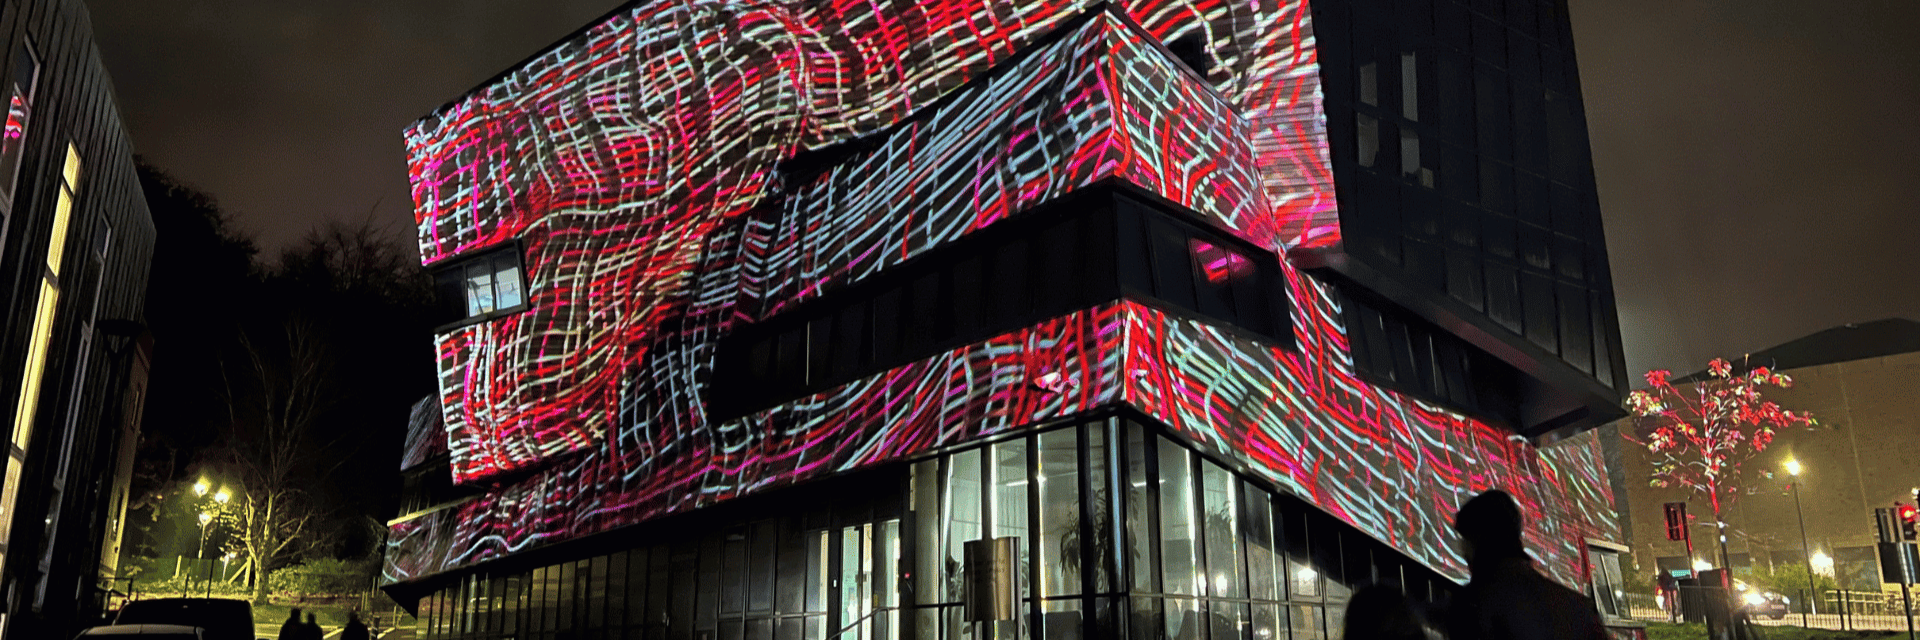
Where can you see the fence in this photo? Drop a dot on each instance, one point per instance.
(1838, 609)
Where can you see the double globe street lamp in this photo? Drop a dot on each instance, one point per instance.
(220, 499)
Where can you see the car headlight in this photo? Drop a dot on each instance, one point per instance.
(1756, 599)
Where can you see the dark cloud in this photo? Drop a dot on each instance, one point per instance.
(1756, 158)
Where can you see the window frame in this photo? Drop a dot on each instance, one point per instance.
(459, 264)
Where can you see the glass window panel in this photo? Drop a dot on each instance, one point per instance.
(927, 585)
(1185, 620)
(564, 593)
(62, 218)
(1368, 139)
(1410, 155)
(1139, 517)
(685, 565)
(1010, 281)
(1307, 624)
(852, 340)
(969, 296)
(926, 623)
(962, 514)
(1219, 266)
(1173, 269)
(733, 630)
(709, 558)
(760, 566)
(537, 601)
(733, 570)
(1147, 621)
(626, 589)
(20, 89)
(1010, 500)
(1269, 621)
(819, 349)
(1229, 620)
(506, 279)
(660, 592)
(1221, 508)
(1064, 543)
(1409, 86)
(1263, 559)
(1099, 543)
(760, 629)
(1180, 569)
(887, 327)
(795, 629)
(596, 581)
(479, 289)
(514, 604)
(818, 553)
(1060, 258)
(1370, 84)
(923, 314)
(790, 561)
(1136, 267)
(885, 567)
(1060, 620)
(855, 550)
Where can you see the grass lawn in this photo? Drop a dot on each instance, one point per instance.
(1662, 631)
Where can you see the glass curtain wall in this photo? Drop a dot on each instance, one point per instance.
(1121, 532)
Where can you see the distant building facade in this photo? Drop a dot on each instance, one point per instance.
(76, 240)
(1863, 383)
(761, 313)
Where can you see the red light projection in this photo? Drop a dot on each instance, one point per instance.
(625, 160)
(616, 155)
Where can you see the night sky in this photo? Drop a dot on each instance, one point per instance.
(1758, 160)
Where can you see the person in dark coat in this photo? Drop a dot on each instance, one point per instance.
(1507, 599)
(290, 630)
(355, 629)
(1381, 612)
(312, 628)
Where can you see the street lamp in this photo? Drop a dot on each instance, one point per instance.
(200, 488)
(201, 554)
(1806, 553)
(222, 496)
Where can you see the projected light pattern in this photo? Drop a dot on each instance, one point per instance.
(1389, 465)
(613, 156)
(965, 394)
(426, 436)
(1092, 105)
(639, 260)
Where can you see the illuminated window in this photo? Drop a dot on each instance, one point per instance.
(38, 341)
(481, 287)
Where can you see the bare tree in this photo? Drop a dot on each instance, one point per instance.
(278, 389)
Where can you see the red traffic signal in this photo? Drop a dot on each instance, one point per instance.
(1909, 517)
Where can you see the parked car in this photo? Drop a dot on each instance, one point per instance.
(1771, 605)
(218, 618)
(143, 632)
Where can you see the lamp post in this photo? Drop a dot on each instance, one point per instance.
(220, 500)
(201, 553)
(1806, 552)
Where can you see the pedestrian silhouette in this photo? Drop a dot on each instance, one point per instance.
(355, 629)
(1381, 612)
(1507, 599)
(313, 631)
(291, 630)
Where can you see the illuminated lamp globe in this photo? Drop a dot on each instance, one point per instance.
(205, 518)
(1793, 467)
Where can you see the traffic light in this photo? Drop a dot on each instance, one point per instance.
(1909, 517)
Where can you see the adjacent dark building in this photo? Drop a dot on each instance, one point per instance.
(1215, 311)
(75, 243)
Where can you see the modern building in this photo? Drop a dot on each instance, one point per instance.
(762, 313)
(1862, 381)
(75, 243)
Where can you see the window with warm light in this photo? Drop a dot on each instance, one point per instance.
(38, 341)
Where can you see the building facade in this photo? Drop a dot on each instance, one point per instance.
(75, 244)
(760, 314)
(1860, 382)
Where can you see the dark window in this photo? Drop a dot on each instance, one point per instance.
(1065, 256)
(20, 88)
(480, 287)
